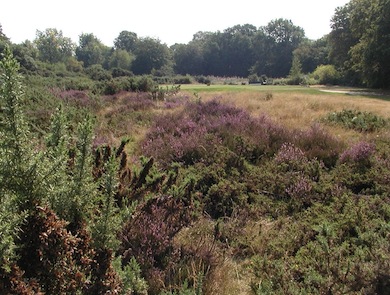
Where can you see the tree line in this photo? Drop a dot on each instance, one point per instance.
(355, 51)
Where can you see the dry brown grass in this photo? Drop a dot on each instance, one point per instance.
(229, 277)
(293, 109)
(299, 110)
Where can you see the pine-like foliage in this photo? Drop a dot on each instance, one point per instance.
(50, 194)
(17, 173)
(108, 218)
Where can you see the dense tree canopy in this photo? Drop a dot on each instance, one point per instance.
(311, 54)
(371, 55)
(360, 42)
(240, 50)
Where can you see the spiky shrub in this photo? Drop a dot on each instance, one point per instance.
(56, 253)
(132, 281)
(10, 220)
(20, 166)
(47, 253)
(24, 172)
(13, 282)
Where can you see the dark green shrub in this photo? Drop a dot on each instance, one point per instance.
(326, 74)
(203, 80)
(118, 72)
(97, 73)
(182, 80)
(145, 84)
(225, 196)
(357, 120)
(328, 249)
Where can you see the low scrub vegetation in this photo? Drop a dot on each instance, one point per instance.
(147, 193)
(357, 120)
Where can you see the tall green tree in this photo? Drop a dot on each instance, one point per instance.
(341, 39)
(150, 54)
(27, 55)
(284, 38)
(188, 58)
(120, 58)
(311, 54)
(2, 35)
(53, 47)
(126, 41)
(371, 54)
(360, 42)
(212, 55)
(261, 46)
(91, 50)
(237, 53)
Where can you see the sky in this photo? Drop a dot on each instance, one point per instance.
(170, 21)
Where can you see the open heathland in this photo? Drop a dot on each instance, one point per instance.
(220, 189)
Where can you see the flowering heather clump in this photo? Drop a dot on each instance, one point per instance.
(318, 143)
(175, 101)
(251, 138)
(194, 134)
(177, 138)
(138, 102)
(129, 101)
(360, 153)
(291, 156)
(300, 190)
(77, 98)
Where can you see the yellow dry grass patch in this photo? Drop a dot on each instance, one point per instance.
(229, 277)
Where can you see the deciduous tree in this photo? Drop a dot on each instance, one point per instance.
(126, 40)
(150, 54)
(53, 46)
(91, 50)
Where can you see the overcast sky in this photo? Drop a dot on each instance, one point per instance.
(171, 21)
